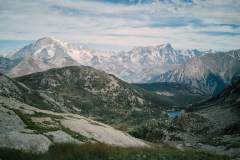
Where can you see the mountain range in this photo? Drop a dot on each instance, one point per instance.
(48, 53)
(208, 71)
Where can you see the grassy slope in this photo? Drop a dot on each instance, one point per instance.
(104, 152)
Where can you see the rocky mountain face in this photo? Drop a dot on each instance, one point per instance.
(89, 92)
(9, 87)
(210, 73)
(135, 65)
(14, 89)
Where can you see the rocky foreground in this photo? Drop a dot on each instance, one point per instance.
(27, 128)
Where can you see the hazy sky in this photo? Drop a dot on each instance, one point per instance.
(123, 24)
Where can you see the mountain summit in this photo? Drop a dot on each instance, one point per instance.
(135, 65)
(41, 55)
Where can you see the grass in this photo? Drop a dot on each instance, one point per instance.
(105, 152)
(40, 114)
(74, 134)
(37, 128)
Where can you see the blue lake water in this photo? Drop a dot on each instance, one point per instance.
(174, 114)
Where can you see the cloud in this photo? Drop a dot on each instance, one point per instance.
(221, 33)
(125, 23)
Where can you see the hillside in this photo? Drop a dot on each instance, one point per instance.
(223, 110)
(94, 94)
(27, 128)
(179, 94)
(212, 125)
(209, 73)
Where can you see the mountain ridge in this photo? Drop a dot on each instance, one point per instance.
(42, 55)
(161, 63)
(210, 72)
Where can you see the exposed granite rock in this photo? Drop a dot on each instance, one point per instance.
(61, 137)
(18, 137)
(102, 132)
(9, 121)
(28, 142)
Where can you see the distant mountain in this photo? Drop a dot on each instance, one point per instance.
(144, 62)
(6, 64)
(41, 55)
(180, 94)
(228, 97)
(136, 65)
(210, 73)
(161, 54)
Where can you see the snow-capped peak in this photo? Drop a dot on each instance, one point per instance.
(161, 46)
(46, 47)
(49, 40)
(132, 66)
(166, 45)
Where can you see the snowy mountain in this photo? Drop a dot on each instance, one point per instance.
(144, 62)
(135, 65)
(6, 64)
(41, 55)
(210, 72)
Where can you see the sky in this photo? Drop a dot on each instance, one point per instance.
(122, 24)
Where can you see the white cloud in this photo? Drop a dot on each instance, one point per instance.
(94, 22)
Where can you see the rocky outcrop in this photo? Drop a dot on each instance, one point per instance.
(27, 128)
(61, 137)
(101, 132)
(13, 133)
(25, 141)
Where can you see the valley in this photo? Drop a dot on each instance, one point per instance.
(54, 96)
(119, 80)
